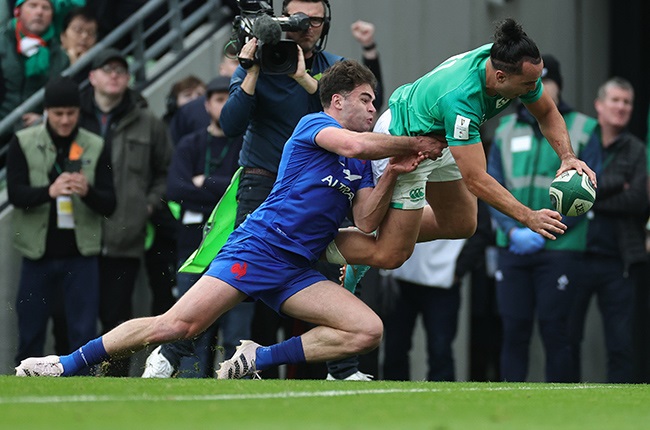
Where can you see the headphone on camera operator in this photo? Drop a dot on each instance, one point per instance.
(274, 54)
(326, 23)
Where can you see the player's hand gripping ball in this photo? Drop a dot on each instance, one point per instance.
(572, 194)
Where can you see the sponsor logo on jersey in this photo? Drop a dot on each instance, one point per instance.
(239, 270)
(416, 194)
(344, 189)
(502, 102)
(351, 177)
(461, 128)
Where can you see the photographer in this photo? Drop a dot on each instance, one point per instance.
(266, 108)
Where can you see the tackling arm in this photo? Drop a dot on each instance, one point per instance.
(373, 146)
(371, 204)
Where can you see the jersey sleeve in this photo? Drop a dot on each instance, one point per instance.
(460, 121)
(534, 95)
(367, 180)
(310, 125)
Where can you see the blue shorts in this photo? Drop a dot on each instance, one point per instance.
(263, 272)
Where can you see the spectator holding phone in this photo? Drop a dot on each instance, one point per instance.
(58, 176)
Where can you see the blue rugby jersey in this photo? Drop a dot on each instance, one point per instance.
(312, 195)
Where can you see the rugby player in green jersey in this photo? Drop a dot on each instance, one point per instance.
(438, 200)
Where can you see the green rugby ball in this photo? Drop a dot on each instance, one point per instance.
(572, 194)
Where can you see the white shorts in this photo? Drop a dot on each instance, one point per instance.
(410, 189)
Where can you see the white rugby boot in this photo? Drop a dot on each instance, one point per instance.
(241, 364)
(40, 366)
(356, 376)
(157, 366)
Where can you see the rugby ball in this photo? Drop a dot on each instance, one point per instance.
(572, 194)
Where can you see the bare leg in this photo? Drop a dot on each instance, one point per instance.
(393, 244)
(208, 299)
(345, 325)
(451, 213)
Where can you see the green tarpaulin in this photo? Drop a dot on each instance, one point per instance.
(216, 231)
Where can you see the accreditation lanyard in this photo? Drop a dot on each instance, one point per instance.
(208, 156)
(609, 156)
(64, 206)
(74, 154)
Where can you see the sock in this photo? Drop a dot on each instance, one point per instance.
(288, 352)
(91, 353)
(333, 255)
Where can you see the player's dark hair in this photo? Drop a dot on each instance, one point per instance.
(342, 78)
(512, 47)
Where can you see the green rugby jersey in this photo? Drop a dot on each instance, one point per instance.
(450, 100)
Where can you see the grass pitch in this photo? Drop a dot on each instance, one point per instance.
(179, 404)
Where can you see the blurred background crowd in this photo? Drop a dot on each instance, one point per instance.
(151, 79)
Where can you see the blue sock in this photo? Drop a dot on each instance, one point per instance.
(91, 353)
(288, 352)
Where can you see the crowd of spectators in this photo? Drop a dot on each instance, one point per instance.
(149, 214)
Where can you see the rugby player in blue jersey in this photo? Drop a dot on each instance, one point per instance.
(270, 256)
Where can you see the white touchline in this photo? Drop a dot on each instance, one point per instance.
(283, 395)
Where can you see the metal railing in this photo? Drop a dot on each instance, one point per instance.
(140, 54)
(172, 41)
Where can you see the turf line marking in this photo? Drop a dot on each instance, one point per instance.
(283, 395)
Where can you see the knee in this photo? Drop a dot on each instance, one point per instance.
(369, 335)
(392, 258)
(464, 230)
(167, 329)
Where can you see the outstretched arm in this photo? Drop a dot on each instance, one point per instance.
(373, 146)
(554, 129)
(364, 33)
(472, 165)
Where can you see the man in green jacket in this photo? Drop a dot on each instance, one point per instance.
(140, 154)
(61, 185)
(536, 277)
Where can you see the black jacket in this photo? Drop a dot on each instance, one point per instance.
(621, 207)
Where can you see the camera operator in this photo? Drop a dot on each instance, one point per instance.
(266, 108)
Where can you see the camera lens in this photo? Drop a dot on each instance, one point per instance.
(279, 59)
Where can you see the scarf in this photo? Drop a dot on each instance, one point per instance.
(34, 48)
